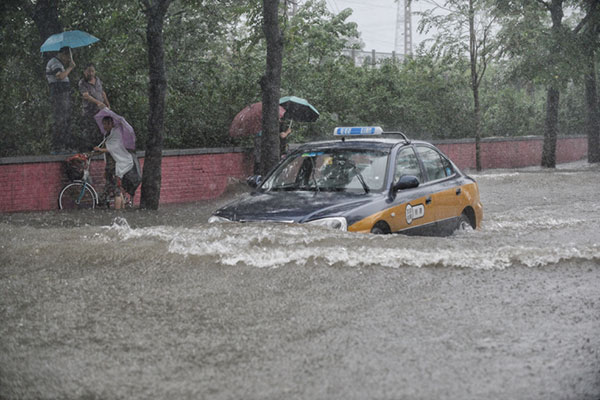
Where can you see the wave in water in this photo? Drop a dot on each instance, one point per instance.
(277, 245)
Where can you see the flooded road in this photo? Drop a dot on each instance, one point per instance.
(139, 305)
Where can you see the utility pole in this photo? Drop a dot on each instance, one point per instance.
(403, 28)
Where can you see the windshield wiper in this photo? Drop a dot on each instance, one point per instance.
(361, 179)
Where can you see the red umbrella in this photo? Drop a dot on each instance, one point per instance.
(249, 120)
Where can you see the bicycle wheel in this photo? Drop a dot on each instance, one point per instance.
(69, 197)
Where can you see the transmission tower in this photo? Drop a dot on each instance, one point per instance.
(403, 28)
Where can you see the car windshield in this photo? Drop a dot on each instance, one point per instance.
(341, 170)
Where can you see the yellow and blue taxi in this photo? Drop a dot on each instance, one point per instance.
(365, 180)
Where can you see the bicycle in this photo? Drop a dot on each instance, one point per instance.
(80, 193)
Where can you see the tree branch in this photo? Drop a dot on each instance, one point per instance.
(29, 9)
(437, 5)
(543, 3)
(590, 14)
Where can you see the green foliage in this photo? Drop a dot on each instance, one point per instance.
(542, 53)
(510, 111)
(23, 92)
(215, 56)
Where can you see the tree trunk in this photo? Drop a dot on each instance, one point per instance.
(552, 101)
(474, 84)
(270, 84)
(476, 119)
(593, 114)
(592, 126)
(551, 129)
(151, 178)
(45, 16)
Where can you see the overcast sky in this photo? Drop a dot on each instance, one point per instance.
(376, 21)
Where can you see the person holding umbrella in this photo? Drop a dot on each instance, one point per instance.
(249, 122)
(58, 69)
(60, 94)
(126, 165)
(283, 134)
(296, 109)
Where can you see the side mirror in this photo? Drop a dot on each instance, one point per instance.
(406, 182)
(254, 181)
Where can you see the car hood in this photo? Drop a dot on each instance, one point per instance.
(292, 206)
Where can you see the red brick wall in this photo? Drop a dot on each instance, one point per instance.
(512, 153)
(33, 183)
(30, 186)
(189, 178)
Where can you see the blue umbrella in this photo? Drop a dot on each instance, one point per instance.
(298, 109)
(70, 39)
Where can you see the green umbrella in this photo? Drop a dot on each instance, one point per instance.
(298, 109)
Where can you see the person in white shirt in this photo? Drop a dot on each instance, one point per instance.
(126, 167)
(57, 73)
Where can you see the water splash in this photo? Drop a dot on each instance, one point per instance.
(277, 245)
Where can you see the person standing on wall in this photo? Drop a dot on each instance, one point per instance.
(94, 99)
(60, 95)
(283, 134)
(283, 147)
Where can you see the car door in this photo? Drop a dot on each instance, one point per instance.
(412, 212)
(445, 192)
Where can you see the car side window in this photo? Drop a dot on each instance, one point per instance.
(436, 165)
(407, 164)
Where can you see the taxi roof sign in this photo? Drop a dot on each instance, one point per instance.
(357, 130)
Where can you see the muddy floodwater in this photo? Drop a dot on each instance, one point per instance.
(161, 305)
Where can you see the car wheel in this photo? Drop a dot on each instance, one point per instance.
(380, 229)
(464, 224)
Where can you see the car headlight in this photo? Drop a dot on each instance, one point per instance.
(332, 223)
(216, 218)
